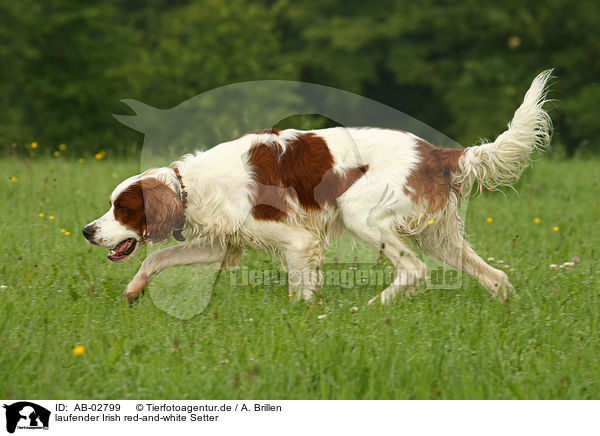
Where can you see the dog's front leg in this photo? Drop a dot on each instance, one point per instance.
(303, 259)
(171, 256)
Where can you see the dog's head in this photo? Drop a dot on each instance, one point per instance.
(142, 209)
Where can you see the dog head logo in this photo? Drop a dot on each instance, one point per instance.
(26, 415)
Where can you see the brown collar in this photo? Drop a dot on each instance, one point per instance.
(183, 194)
(183, 191)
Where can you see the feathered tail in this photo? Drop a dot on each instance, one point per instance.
(502, 162)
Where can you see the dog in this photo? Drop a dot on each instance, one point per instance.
(291, 192)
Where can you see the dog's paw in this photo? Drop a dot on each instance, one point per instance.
(373, 300)
(135, 289)
(131, 297)
(299, 296)
(305, 295)
(506, 291)
(502, 288)
(383, 298)
(390, 294)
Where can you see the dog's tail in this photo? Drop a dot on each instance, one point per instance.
(501, 163)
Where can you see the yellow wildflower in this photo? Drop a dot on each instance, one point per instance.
(78, 350)
(100, 155)
(430, 222)
(489, 220)
(56, 153)
(41, 215)
(81, 160)
(51, 217)
(62, 230)
(12, 179)
(556, 229)
(34, 145)
(537, 220)
(67, 233)
(62, 147)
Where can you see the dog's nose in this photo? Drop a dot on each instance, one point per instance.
(88, 232)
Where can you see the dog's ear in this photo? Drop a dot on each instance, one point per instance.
(163, 210)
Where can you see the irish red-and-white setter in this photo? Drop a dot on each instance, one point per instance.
(291, 191)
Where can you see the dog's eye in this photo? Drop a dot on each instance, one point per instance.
(120, 208)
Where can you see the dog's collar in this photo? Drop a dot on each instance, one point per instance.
(177, 233)
(183, 192)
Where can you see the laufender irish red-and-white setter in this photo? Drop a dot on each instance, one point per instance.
(292, 191)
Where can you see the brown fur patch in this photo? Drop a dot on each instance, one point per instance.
(303, 172)
(270, 197)
(333, 184)
(432, 180)
(150, 208)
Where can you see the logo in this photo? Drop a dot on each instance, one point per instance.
(26, 415)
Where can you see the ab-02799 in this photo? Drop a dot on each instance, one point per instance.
(97, 407)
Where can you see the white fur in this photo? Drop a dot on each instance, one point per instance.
(501, 163)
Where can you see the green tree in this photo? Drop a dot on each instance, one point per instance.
(67, 64)
(462, 67)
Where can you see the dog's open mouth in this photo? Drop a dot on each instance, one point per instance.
(123, 250)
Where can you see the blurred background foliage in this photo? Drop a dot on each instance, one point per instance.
(460, 66)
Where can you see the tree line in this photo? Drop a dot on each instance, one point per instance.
(460, 66)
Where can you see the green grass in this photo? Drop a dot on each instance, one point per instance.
(250, 342)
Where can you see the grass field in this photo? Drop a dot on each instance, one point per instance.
(251, 342)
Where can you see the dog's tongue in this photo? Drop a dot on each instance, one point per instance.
(121, 249)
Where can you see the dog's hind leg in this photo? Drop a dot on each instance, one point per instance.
(168, 257)
(410, 270)
(455, 251)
